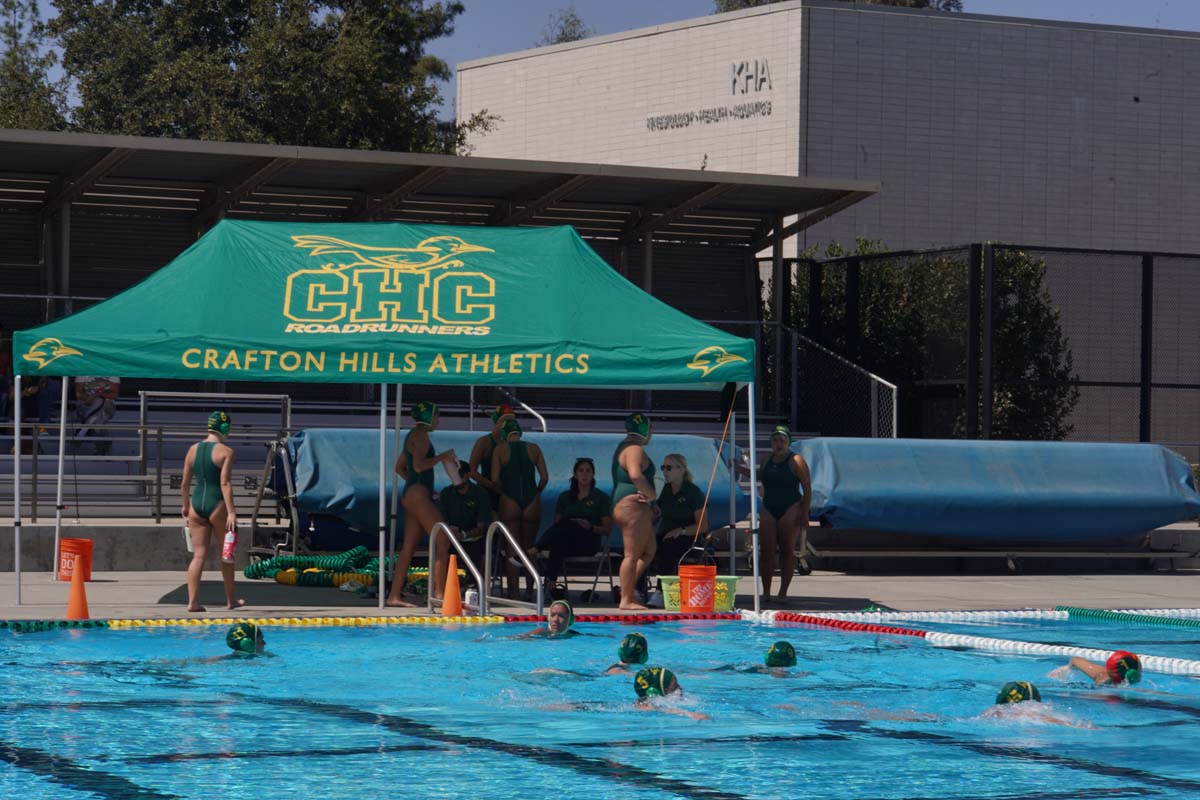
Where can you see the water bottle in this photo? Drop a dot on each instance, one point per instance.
(230, 546)
(187, 538)
(471, 599)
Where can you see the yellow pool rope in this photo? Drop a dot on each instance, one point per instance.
(341, 622)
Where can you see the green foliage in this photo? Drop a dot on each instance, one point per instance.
(721, 6)
(564, 25)
(348, 74)
(28, 98)
(912, 330)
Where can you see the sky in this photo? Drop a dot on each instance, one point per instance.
(492, 27)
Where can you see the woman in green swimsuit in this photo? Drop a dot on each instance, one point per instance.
(415, 464)
(208, 506)
(633, 492)
(787, 494)
(483, 453)
(513, 464)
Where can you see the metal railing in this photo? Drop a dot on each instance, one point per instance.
(440, 529)
(515, 547)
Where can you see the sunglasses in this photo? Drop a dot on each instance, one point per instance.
(668, 467)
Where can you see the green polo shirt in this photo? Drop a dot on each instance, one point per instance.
(679, 510)
(593, 508)
(465, 511)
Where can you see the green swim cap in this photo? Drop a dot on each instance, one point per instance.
(633, 649)
(781, 654)
(781, 430)
(655, 682)
(639, 424)
(570, 615)
(1018, 692)
(424, 412)
(244, 637)
(510, 426)
(218, 421)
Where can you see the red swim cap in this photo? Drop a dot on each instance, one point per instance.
(1123, 666)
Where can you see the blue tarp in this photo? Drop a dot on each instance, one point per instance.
(337, 470)
(999, 492)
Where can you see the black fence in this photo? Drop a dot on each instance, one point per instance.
(1014, 342)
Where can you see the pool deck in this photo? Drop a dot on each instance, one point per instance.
(162, 594)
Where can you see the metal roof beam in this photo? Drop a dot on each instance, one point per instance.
(238, 188)
(70, 188)
(652, 223)
(532, 208)
(412, 185)
(824, 212)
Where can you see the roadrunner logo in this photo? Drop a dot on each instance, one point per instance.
(363, 288)
(49, 350)
(711, 358)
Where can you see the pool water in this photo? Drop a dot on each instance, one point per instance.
(430, 711)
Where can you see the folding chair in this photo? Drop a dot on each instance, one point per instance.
(612, 546)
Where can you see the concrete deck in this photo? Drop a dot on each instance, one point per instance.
(162, 595)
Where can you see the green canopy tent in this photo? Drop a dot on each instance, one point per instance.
(388, 303)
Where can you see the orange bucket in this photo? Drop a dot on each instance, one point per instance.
(697, 587)
(72, 552)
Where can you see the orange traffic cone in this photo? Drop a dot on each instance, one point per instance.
(77, 607)
(451, 597)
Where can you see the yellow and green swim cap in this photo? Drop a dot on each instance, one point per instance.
(781, 654)
(1018, 692)
(655, 682)
(218, 421)
(509, 427)
(633, 649)
(424, 412)
(244, 638)
(638, 423)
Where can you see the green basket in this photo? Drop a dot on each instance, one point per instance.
(724, 592)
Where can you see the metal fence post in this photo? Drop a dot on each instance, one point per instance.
(158, 441)
(793, 358)
(989, 301)
(1146, 395)
(34, 446)
(974, 287)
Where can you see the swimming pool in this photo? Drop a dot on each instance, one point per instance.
(453, 711)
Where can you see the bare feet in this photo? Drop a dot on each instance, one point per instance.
(396, 602)
(236, 604)
(197, 608)
(632, 607)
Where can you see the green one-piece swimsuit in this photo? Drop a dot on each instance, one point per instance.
(516, 477)
(206, 492)
(622, 484)
(415, 478)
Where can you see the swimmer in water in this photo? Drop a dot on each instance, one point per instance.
(1122, 667)
(246, 638)
(1022, 700)
(657, 682)
(559, 619)
(632, 650)
(777, 663)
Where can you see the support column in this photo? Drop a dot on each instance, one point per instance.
(648, 286)
(989, 304)
(64, 256)
(974, 287)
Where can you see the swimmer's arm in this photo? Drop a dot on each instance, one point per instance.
(800, 470)
(679, 712)
(475, 462)
(401, 468)
(1097, 673)
(227, 488)
(616, 669)
(186, 485)
(631, 460)
(539, 461)
(418, 444)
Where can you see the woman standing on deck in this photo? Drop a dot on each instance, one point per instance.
(787, 494)
(484, 450)
(513, 465)
(633, 494)
(208, 506)
(415, 464)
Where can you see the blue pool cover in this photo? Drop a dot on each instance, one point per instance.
(999, 492)
(337, 470)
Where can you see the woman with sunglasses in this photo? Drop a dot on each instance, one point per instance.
(787, 494)
(581, 519)
(680, 505)
(633, 494)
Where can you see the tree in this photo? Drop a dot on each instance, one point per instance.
(912, 330)
(564, 25)
(348, 73)
(28, 97)
(722, 6)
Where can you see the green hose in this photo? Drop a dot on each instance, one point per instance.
(1121, 616)
(353, 560)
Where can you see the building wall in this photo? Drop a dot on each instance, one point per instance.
(643, 98)
(976, 127)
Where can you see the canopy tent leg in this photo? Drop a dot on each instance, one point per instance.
(17, 483)
(395, 479)
(753, 496)
(732, 490)
(383, 410)
(62, 463)
(471, 410)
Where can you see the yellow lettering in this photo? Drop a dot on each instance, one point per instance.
(479, 364)
(306, 296)
(558, 367)
(289, 360)
(439, 363)
(267, 354)
(314, 362)
(348, 361)
(210, 359)
(514, 362)
(251, 357)
(191, 351)
(582, 364)
(375, 363)
(458, 359)
(496, 365)
(453, 293)
(410, 362)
